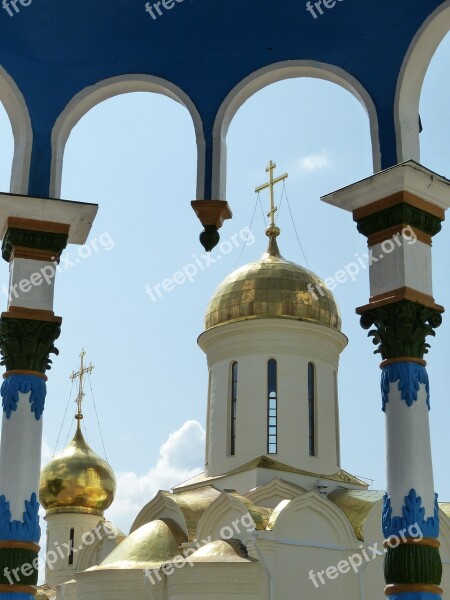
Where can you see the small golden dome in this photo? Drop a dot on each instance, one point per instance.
(222, 551)
(77, 480)
(272, 287)
(151, 545)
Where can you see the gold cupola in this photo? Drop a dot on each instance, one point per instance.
(272, 287)
(77, 480)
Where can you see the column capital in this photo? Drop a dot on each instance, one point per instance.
(409, 177)
(47, 214)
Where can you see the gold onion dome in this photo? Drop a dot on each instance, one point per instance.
(272, 287)
(77, 480)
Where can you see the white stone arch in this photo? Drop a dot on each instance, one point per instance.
(16, 108)
(229, 511)
(89, 97)
(299, 519)
(271, 494)
(272, 74)
(410, 82)
(161, 507)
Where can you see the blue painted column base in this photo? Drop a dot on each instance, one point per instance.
(412, 596)
(12, 596)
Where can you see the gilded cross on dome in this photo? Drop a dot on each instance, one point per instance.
(272, 229)
(80, 375)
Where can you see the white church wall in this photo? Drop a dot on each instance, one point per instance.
(119, 584)
(58, 537)
(218, 581)
(310, 538)
(293, 345)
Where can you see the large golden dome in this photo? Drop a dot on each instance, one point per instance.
(272, 287)
(77, 480)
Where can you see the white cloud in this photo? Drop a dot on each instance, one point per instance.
(313, 162)
(180, 458)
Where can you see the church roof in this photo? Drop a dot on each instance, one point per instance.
(356, 505)
(77, 480)
(191, 503)
(264, 462)
(272, 287)
(222, 551)
(149, 546)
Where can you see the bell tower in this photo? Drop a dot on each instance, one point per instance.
(272, 340)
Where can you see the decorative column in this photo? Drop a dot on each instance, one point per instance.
(399, 210)
(34, 231)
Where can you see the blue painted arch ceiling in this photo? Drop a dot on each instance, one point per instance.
(53, 49)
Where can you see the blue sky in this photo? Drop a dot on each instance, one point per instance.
(135, 156)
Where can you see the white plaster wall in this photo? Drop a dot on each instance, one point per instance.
(118, 584)
(408, 265)
(293, 565)
(293, 344)
(58, 534)
(20, 453)
(218, 581)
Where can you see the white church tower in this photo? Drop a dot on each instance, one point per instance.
(272, 339)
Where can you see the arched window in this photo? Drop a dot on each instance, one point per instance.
(234, 380)
(71, 545)
(312, 408)
(272, 407)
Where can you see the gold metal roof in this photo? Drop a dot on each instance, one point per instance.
(222, 551)
(151, 545)
(193, 503)
(445, 507)
(264, 462)
(272, 287)
(77, 480)
(356, 505)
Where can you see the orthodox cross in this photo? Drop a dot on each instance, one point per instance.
(271, 184)
(79, 375)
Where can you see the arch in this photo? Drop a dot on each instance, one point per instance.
(410, 82)
(271, 494)
(161, 507)
(300, 517)
(272, 74)
(16, 108)
(231, 511)
(82, 103)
